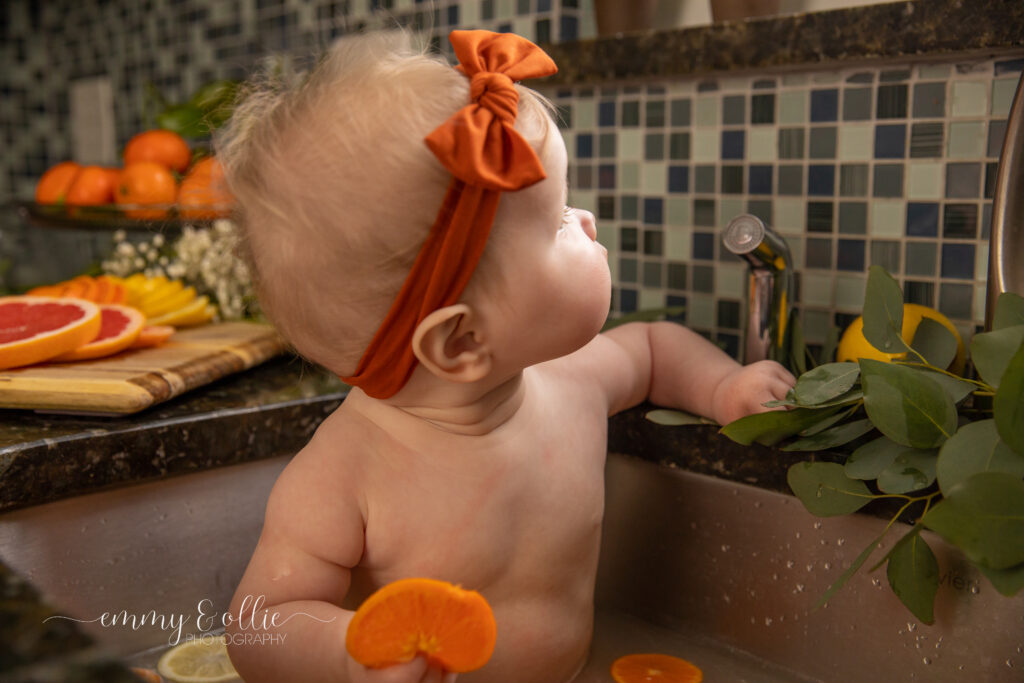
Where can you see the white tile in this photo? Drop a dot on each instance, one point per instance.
(655, 176)
(981, 265)
(731, 280)
(700, 311)
(887, 218)
(925, 179)
(584, 113)
(705, 146)
(970, 98)
(762, 143)
(679, 244)
(728, 208)
(790, 216)
(631, 144)
(856, 142)
(706, 113)
(651, 298)
(816, 289)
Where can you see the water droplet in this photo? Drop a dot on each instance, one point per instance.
(876, 582)
(819, 493)
(926, 660)
(725, 548)
(789, 564)
(800, 588)
(817, 525)
(840, 541)
(1009, 663)
(911, 626)
(757, 503)
(767, 621)
(753, 620)
(775, 577)
(727, 599)
(810, 567)
(823, 542)
(828, 565)
(974, 589)
(693, 525)
(960, 668)
(798, 534)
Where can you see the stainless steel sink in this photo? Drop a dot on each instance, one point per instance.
(719, 573)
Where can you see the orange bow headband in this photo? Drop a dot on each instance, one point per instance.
(485, 155)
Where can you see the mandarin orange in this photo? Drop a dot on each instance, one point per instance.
(146, 183)
(53, 186)
(161, 146)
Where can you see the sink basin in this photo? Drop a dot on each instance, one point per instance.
(719, 573)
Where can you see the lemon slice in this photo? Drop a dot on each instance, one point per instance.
(191, 314)
(204, 660)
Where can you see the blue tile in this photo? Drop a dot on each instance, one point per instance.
(958, 261)
(703, 246)
(760, 180)
(678, 178)
(821, 180)
(850, 255)
(584, 146)
(733, 143)
(453, 15)
(543, 5)
(653, 210)
(824, 105)
(1009, 67)
(606, 177)
(627, 300)
(922, 219)
(890, 141)
(570, 28)
(606, 113)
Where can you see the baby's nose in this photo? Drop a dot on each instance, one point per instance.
(588, 223)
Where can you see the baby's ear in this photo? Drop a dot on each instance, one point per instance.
(449, 343)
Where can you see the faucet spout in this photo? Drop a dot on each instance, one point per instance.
(770, 287)
(1006, 239)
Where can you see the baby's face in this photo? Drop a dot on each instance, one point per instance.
(557, 284)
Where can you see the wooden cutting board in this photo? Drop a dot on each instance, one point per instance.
(133, 380)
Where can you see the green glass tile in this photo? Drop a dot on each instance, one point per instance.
(823, 143)
(654, 146)
(921, 259)
(629, 175)
(630, 144)
(630, 113)
(655, 178)
(586, 113)
(819, 216)
(969, 98)
(653, 274)
(762, 208)
(1002, 95)
(888, 180)
(791, 143)
(857, 104)
(796, 249)
(927, 71)
(917, 292)
(679, 146)
(966, 139)
(761, 144)
(963, 180)
(705, 146)
(960, 221)
(886, 253)
(704, 179)
(955, 300)
(704, 212)
(732, 179)
(762, 108)
(790, 216)
(734, 110)
(816, 289)
(707, 111)
(606, 146)
(862, 77)
(677, 211)
(996, 136)
(856, 142)
(924, 180)
(926, 140)
(731, 280)
(887, 218)
(700, 311)
(679, 111)
(816, 325)
(853, 180)
(850, 292)
(676, 276)
(892, 101)
(606, 236)
(629, 210)
(703, 279)
(628, 270)
(818, 254)
(929, 101)
(650, 298)
(728, 209)
(679, 243)
(853, 218)
(584, 199)
(791, 180)
(655, 113)
(793, 107)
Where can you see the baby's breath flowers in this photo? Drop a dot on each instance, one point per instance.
(202, 257)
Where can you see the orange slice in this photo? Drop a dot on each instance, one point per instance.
(152, 335)
(120, 326)
(34, 329)
(654, 668)
(452, 627)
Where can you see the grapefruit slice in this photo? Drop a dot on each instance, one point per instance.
(152, 335)
(120, 326)
(34, 329)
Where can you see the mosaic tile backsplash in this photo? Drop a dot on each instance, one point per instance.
(890, 164)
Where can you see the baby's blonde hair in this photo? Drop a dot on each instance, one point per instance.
(336, 188)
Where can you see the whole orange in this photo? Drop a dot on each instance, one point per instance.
(92, 186)
(162, 146)
(204, 191)
(53, 186)
(146, 183)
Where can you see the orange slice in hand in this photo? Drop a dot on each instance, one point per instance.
(34, 329)
(654, 668)
(452, 627)
(120, 326)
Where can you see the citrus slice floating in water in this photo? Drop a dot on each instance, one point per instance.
(204, 660)
(119, 327)
(654, 668)
(34, 329)
(452, 627)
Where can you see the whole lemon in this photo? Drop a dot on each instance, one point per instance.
(853, 345)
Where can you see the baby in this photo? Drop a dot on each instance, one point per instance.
(472, 446)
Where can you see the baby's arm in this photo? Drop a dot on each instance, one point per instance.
(675, 367)
(301, 568)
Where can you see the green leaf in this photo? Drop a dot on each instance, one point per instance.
(883, 312)
(1009, 311)
(956, 389)
(771, 427)
(819, 427)
(984, 517)
(851, 570)
(911, 470)
(1007, 581)
(644, 316)
(913, 573)
(906, 404)
(837, 436)
(797, 346)
(825, 491)
(991, 351)
(976, 447)
(933, 341)
(828, 348)
(825, 383)
(871, 459)
(1008, 404)
(673, 418)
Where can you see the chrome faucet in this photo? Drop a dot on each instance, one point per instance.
(1006, 239)
(770, 288)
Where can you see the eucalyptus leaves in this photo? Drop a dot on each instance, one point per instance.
(917, 425)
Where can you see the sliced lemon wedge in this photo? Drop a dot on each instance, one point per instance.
(204, 660)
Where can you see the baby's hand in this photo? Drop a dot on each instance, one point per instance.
(416, 671)
(744, 391)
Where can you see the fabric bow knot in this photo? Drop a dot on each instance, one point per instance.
(479, 144)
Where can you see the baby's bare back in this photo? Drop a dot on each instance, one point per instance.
(515, 514)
